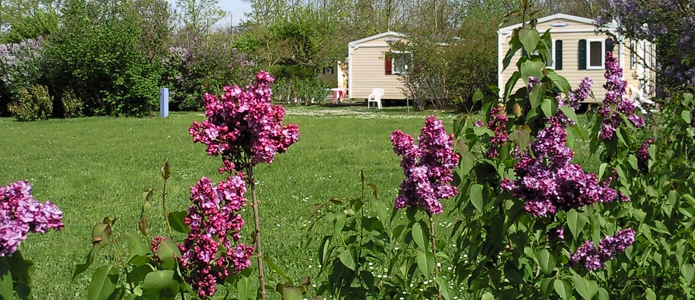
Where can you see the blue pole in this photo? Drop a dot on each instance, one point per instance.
(164, 102)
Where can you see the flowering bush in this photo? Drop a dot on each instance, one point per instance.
(192, 71)
(245, 129)
(20, 68)
(20, 214)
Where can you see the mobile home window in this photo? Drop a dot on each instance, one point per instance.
(596, 54)
(400, 62)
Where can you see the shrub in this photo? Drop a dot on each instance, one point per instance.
(192, 71)
(34, 104)
(20, 68)
(72, 105)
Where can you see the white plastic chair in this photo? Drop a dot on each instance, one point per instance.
(375, 96)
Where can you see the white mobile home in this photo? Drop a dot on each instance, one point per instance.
(372, 65)
(578, 52)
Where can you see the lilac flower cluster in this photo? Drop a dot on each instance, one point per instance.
(643, 155)
(20, 214)
(215, 224)
(245, 127)
(594, 259)
(548, 182)
(426, 166)
(616, 105)
(498, 124)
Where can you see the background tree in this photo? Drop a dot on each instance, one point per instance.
(198, 16)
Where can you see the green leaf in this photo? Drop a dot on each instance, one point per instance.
(687, 270)
(488, 296)
(418, 236)
(585, 287)
(547, 107)
(290, 292)
(687, 117)
(242, 286)
(576, 222)
(602, 170)
(559, 81)
(509, 86)
(103, 283)
(6, 284)
(138, 274)
(177, 221)
(547, 262)
(101, 234)
(467, 163)
(532, 68)
(536, 94)
(443, 287)
(529, 38)
(135, 244)
(649, 294)
(347, 260)
(339, 224)
(79, 268)
(477, 196)
(168, 251)
(569, 112)
(275, 268)
(381, 210)
(160, 285)
(563, 288)
(603, 294)
(421, 259)
(521, 138)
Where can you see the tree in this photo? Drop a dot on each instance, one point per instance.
(198, 16)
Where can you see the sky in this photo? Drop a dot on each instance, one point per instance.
(238, 8)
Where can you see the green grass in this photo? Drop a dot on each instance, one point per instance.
(98, 167)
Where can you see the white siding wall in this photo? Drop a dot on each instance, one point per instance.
(367, 71)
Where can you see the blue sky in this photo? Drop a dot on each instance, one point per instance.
(237, 8)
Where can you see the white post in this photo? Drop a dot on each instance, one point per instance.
(164, 102)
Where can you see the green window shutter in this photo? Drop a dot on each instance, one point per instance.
(582, 54)
(558, 55)
(610, 44)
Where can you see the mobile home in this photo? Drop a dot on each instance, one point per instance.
(372, 65)
(578, 51)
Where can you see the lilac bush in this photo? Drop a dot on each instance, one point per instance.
(426, 166)
(20, 214)
(245, 129)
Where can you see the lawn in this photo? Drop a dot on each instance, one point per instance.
(97, 167)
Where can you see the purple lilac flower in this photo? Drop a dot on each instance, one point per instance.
(245, 124)
(616, 105)
(426, 166)
(498, 124)
(643, 155)
(20, 214)
(548, 182)
(594, 259)
(215, 224)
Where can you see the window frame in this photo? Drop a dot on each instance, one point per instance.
(588, 54)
